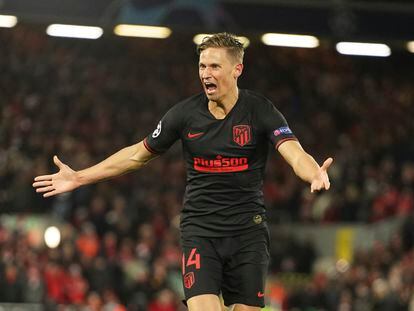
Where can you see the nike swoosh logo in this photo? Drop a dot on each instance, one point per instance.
(194, 135)
(260, 295)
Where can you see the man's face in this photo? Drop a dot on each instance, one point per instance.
(218, 73)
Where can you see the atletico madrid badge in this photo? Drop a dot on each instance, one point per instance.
(241, 134)
(189, 280)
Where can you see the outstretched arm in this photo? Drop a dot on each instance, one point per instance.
(305, 165)
(124, 161)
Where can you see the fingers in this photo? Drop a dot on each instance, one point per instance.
(45, 189)
(327, 164)
(48, 191)
(58, 163)
(43, 177)
(49, 194)
(325, 186)
(320, 184)
(49, 177)
(315, 187)
(42, 183)
(321, 181)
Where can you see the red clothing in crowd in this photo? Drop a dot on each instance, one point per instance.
(55, 278)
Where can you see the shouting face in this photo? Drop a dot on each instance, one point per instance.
(218, 73)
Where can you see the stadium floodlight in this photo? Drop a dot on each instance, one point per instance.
(52, 237)
(199, 38)
(410, 46)
(74, 31)
(363, 49)
(8, 21)
(142, 31)
(290, 40)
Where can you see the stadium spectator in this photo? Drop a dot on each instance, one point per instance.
(62, 95)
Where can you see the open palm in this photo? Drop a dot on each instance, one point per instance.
(60, 182)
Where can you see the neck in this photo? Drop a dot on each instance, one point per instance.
(227, 103)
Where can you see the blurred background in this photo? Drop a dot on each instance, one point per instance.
(115, 245)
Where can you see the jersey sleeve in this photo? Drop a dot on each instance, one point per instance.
(166, 133)
(274, 124)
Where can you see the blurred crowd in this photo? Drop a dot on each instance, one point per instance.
(84, 100)
(92, 272)
(380, 278)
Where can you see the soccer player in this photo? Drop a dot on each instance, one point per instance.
(225, 133)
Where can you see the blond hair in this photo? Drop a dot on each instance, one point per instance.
(223, 40)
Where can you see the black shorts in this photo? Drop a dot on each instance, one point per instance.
(235, 266)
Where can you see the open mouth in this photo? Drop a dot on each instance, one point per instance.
(210, 87)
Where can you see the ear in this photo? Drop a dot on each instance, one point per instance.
(238, 69)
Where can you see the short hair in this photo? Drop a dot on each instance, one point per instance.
(223, 40)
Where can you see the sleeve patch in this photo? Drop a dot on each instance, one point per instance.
(284, 130)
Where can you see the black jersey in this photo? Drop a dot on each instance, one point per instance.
(225, 160)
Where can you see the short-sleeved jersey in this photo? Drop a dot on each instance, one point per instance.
(225, 161)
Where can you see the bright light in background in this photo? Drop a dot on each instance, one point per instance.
(298, 41)
(142, 31)
(74, 31)
(410, 46)
(8, 21)
(199, 38)
(363, 49)
(52, 237)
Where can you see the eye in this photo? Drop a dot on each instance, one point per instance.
(202, 66)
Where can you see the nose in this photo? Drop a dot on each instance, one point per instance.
(206, 73)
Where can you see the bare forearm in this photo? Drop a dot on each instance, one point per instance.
(305, 167)
(122, 162)
(66, 179)
(303, 164)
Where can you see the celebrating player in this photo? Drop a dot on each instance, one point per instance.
(225, 133)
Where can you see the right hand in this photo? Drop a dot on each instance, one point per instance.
(63, 181)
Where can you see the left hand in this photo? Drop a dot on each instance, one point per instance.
(321, 179)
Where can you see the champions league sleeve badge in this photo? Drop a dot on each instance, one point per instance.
(157, 131)
(284, 130)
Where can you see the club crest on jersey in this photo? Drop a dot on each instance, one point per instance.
(189, 280)
(282, 130)
(242, 134)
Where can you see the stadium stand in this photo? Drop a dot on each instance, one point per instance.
(120, 243)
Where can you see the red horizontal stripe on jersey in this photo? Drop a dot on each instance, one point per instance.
(284, 140)
(226, 169)
(148, 147)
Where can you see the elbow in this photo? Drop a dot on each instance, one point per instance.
(137, 164)
(139, 157)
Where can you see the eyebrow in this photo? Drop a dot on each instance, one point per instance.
(212, 64)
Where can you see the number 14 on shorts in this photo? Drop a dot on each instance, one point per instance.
(193, 259)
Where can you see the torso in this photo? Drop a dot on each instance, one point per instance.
(225, 155)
